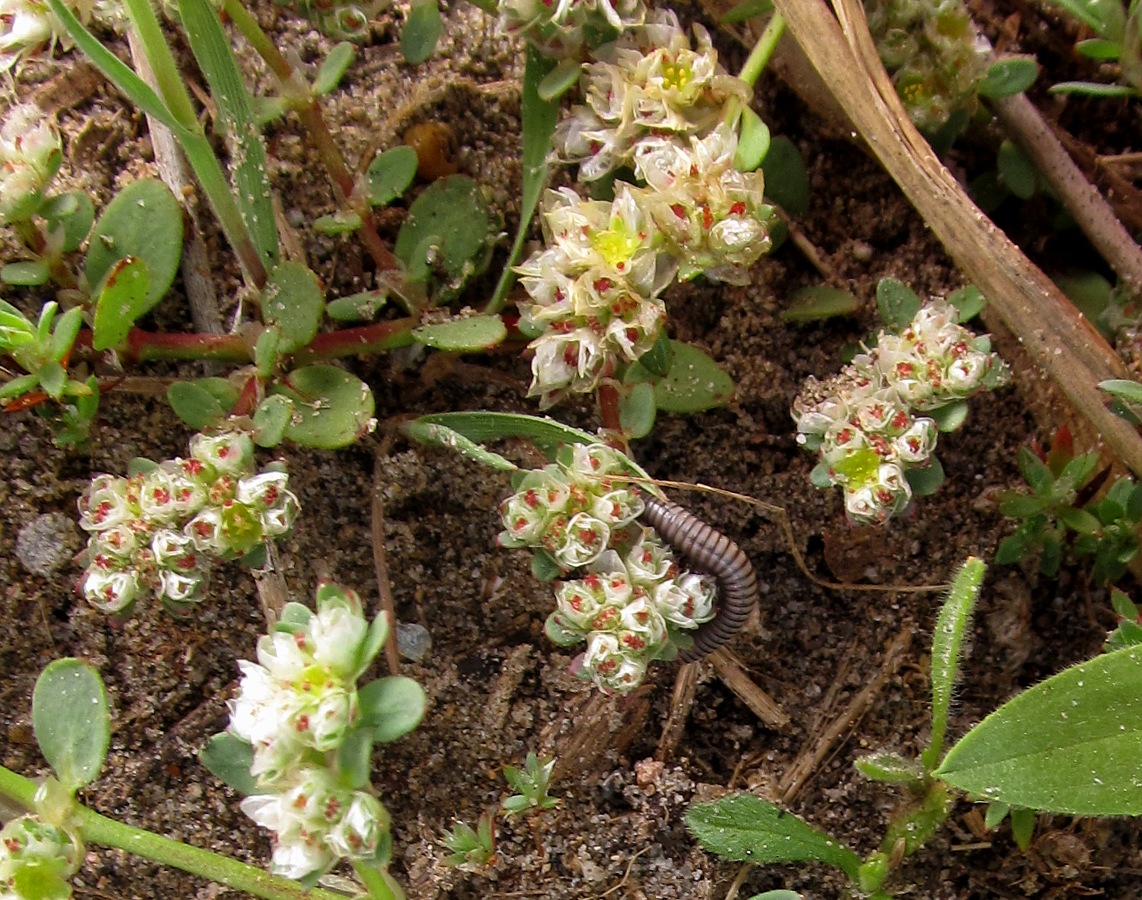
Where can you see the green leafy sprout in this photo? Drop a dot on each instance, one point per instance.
(531, 784)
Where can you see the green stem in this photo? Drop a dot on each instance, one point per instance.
(763, 50)
(98, 829)
(296, 93)
(168, 79)
(378, 882)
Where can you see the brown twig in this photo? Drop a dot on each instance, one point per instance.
(735, 678)
(1064, 345)
(380, 566)
(681, 700)
(1083, 201)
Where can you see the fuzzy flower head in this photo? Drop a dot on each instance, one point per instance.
(39, 856)
(713, 216)
(570, 508)
(863, 422)
(594, 290)
(561, 28)
(315, 822)
(648, 82)
(302, 692)
(30, 156)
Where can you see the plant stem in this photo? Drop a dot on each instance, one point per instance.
(296, 93)
(377, 882)
(762, 51)
(98, 829)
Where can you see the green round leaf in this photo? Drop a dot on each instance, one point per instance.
(122, 300)
(354, 757)
(195, 405)
(360, 307)
(392, 707)
(897, 303)
(390, 174)
(331, 408)
(559, 80)
(968, 301)
(270, 420)
(951, 416)
(143, 221)
(71, 721)
(1099, 49)
(27, 273)
(786, 182)
(228, 758)
(73, 212)
(693, 384)
(657, 359)
(637, 410)
(292, 299)
(753, 144)
(1009, 76)
(813, 304)
(421, 31)
(465, 335)
(446, 229)
(1070, 744)
(332, 68)
(926, 481)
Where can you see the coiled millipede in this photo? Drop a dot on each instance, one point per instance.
(710, 551)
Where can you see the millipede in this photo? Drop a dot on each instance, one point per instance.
(710, 551)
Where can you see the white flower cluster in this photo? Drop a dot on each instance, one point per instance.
(157, 530)
(296, 704)
(560, 28)
(862, 422)
(625, 608)
(648, 83)
(652, 104)
(632, 598)
(36, 859)
(30, 156)
(571, 508)
(594, 290)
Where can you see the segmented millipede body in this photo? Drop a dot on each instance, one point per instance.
(709, 551)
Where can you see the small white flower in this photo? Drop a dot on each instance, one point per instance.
(30, 148)
(686, 601)
(650, 560)
(111, 592)
(231, 453)
(361, 828)
(585, 538)
(609, 667)
(104, 504)
(181, 588)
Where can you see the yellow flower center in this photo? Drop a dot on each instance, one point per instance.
(616, 244)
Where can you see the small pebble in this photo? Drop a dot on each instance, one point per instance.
(46, 543)
(861, 251)
(413, 641)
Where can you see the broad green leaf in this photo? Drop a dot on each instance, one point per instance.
(1016, 170)
(72, 213)
(1022, 826)
(898, 303)
(658, 358)
(331, 408)
(332, 68)
(65, 332)
(195, 405)
(270, 420)
(392, 707)
(71, 721)
(1123, 605)
(390, 174)
(293, 300)
(746, 828)
(52, 377)
(121, 301)
(545, 567)
(996, 812)
(693, 384)
(267, 350)
(211, 48)
(143, 221)
(637, 410)
(1070, 744)
(228, 758)
(951, 416)
(539, 116)
(442, 436)
(753, 144)
(27, 273)
(813, 304)
(421, 31)
(786, 182)
(463, 335)
(354, 757)
(1009, 76)
(947, 645)
(446, 232)
(1099, 49)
